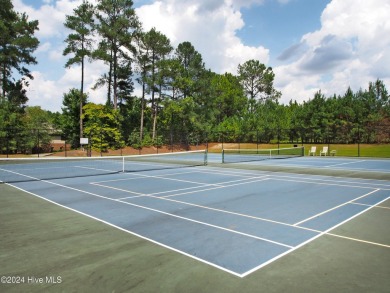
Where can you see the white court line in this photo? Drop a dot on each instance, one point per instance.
(161, 212)
(372, 183)
(139, 194)
(301, 166)
(312, 239)
(352, 183)
(170, 179)
(225, 186)
(369, 205)
(189, 192)
(163, 176)
(158, 211)
(156, 177)
(359, 240)
(346, 163)
(336, 207)
(128, 231)
(322, 183)
(210, 208)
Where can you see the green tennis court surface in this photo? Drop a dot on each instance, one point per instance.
(220, 225)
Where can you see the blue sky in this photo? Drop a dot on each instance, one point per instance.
(279, 26)
(311, 45)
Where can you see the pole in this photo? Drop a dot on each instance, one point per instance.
(358, 140)
(38, 141)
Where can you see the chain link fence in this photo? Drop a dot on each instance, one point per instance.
(347, 140)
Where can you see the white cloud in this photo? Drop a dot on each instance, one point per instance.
(56, 55)
(46, 90)
(51, 16)
(43, 48)
(351, 49)
(209, 25)
(49, 93)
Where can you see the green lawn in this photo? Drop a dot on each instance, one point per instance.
(353, 150)
(347, 150)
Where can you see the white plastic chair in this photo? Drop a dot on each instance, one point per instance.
(324, 151)
(312, 151)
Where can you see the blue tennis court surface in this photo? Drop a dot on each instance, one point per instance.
(330, 163)
(235, 220)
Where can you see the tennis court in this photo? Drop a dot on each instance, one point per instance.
(237, 220)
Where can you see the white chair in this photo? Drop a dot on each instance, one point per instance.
(324, 151)
(312, 151)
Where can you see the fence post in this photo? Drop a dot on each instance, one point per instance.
(223, 138)
(171, 134)
(156, 141)
(207, 141)
(358, 140)
(327, 138)
(101, 143)
(7, 142)
(38, 141)
(89, 147)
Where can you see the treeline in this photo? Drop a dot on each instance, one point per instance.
(178, 94)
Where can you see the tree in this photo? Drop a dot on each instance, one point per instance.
(17, 44)
(153, 46)
(193, 67)
(158, 47)
(118, 26)
(40, 128)
(71, 115)
(80, 43)
(257, 80)
(230, 99)
(102, 126)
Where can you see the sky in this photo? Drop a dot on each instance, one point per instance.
(311, 45)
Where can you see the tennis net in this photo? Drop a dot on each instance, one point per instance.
(249, 155)
(29, 169)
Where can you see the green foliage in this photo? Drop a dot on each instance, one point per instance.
(17, 44)
(71, 116)
(135, 140)
(117, 26)
(178, 93)
(79, 42)
(102, 126)
(257, 81)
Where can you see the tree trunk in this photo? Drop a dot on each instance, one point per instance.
(141, 130)
(81, 94)
(115, 80)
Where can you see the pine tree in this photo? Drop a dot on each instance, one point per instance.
(17, 44)
(80, 43)
(118, 25)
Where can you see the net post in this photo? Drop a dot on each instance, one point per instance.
(205, 157)
(223, 156)
(123, 164)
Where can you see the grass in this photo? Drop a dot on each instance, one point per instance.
(345, 150)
